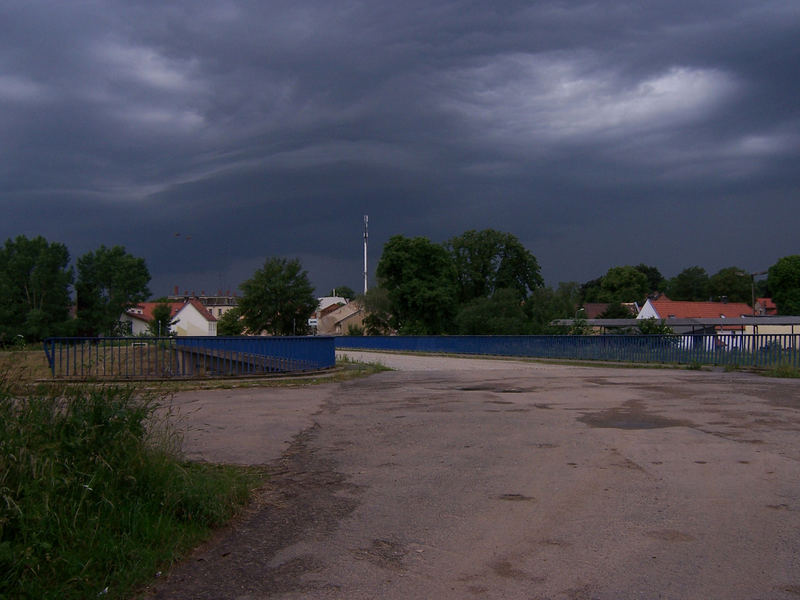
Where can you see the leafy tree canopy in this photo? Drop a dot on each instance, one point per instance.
(653, 326)
(591, 290)
(419, 277)
(732, 283)
(546, 304)
(616, 310)
(783, 280)
(619, 284)
(34, 289)
(690, 285)
(230, 322)
(655, 280)
(110, 280)
(378, 309)
(161, 325)
(278, 298)
(487, 261)
(502, 314)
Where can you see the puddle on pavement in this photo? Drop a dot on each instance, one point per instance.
(516, 498)
(493, 388)
(631, 415)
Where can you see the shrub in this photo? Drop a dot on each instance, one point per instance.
(94, 496)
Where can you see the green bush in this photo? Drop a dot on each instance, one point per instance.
(94, 496)
(785, 371)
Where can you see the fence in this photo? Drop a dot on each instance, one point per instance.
(764, 350)
(183, 357)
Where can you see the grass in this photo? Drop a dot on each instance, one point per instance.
(94, 495)
(23, 366)
(784, 371)
(355, 368)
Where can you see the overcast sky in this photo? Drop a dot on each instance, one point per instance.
(207, 136)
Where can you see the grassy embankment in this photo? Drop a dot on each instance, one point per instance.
(94, 495)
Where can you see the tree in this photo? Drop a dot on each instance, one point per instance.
(615, 310)
(619, 284)
(653, 326)
(355, 330)
(230, 323)
(34, 289)
(487, 261)
(343, 292)
(278, 298)
(419, 278)
(690, 285)
(732, 283)
(546, 305)
(378, 309)
(502, 314)
(783, 280)
(655, 280)
(110, 280)
(161, 325)
(591, 290)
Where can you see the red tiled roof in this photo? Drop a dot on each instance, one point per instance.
(667, 308)
(329, 309)
(770, 308)
(595, 309)
(175, 307)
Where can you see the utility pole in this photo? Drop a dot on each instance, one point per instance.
(366, 235)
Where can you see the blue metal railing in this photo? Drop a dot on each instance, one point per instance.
(179, 357)
(764, 350)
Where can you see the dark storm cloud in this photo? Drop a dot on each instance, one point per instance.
(598, 133)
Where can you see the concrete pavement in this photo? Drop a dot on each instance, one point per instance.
(474, 478)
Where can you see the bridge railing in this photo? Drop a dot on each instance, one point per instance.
(182, 357)
(767, 350)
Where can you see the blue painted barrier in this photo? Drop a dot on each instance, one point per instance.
(178, 357)
(767, 350)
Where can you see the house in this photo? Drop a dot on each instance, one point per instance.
(189, 318)
(710, 333)
(593, 310)
(766, 307)
(664, 308)
(327, 301)
(338, 320)
(217, 304)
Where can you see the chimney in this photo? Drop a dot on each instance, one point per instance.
(176, 290)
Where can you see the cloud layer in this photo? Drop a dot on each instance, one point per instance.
(599, 134)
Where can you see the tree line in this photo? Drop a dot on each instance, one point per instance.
(37, 284)
(487, 282)
(480, 282)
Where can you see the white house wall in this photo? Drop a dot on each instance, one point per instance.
(189, 322)
(648, 312)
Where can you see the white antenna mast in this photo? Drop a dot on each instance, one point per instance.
(366, 235)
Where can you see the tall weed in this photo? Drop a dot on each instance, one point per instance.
(94, 495)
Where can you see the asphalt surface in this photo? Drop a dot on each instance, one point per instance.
(472, 478)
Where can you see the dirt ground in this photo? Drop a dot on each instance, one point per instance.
(472, 478)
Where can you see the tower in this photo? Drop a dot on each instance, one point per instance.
(366, 235)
